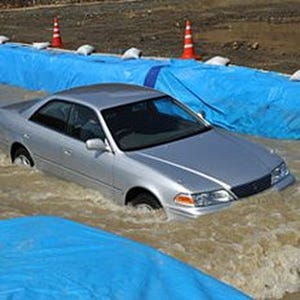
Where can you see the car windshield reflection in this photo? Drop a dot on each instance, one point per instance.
(150, 123)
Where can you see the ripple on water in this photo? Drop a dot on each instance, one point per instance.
(254, 245)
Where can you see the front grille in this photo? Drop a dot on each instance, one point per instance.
(251, 188)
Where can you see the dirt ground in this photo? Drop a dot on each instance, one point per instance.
(256, 33)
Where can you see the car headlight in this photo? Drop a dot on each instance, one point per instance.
(279, 173)
(204, 199)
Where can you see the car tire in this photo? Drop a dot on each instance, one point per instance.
(23, 158)
(145, 202)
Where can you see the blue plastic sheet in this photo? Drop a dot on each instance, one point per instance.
(52, 258)
(236, 98)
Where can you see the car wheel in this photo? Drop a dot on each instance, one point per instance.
(23, 158)
(145, 202)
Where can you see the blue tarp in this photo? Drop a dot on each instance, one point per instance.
(236, 98)
(52, 258)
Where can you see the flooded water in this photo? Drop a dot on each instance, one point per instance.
(254, 245)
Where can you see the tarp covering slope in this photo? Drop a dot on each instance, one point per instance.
(236, 98)
(53, 258)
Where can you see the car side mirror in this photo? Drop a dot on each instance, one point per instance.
(202, 114)
(96, 144)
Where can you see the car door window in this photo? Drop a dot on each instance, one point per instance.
(53, 115)
(84, 124)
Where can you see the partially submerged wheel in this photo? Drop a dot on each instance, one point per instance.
(23, 158)
(145, 202)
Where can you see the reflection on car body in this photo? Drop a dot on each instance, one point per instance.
(140, 147)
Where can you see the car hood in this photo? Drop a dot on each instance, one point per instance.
(216, 156)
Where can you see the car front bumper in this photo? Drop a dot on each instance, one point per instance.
(284, 183)
(181, 212)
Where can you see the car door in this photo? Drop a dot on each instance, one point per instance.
(45, 133)
(89, 167)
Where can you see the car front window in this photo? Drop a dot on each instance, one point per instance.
(152, 122)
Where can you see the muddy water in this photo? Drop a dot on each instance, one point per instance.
(254, 245)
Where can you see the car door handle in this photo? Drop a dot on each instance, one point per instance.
(67, 152)
(26, 136)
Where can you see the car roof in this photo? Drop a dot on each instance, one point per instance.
(109, 94)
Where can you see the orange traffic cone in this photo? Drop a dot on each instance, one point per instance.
(188, 50)
(56, 39)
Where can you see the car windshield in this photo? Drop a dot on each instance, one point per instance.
(150, 123)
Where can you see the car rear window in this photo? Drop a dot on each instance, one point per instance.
(53, 115)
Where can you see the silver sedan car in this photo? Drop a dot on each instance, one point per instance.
(139, 147)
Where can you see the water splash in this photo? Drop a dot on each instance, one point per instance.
(254, 245)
